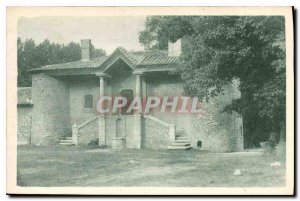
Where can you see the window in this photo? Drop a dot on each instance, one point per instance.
(88, 101)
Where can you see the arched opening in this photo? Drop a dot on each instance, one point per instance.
(128, 94)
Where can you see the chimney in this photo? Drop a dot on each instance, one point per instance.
(174, 49)
(86, 49)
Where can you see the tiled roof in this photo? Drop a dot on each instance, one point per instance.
(93, 63)
(138, 59)
(134, 57)
(24, 96)
(158, 60)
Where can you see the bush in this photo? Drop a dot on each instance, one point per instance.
(94, 142)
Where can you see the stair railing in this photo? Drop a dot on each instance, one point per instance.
(76, 128)
(171, 127)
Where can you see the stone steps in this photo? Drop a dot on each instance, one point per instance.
(66, 144)
(183, 138)
(182, 142)
(180, 147)
(66, 141)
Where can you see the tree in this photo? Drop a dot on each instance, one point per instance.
(32, 56)
(25, 60)
(218, 49)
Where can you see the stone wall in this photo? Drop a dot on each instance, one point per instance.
(51, 114)
(89, 133)
(238, 141)
(217, 134)
(155, 135)
(219, 131)
(24, 124)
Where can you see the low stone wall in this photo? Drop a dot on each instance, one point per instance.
(237, 141)
(24, 124)
(219, 131)
(89, 133)
(219, 135)
(155, 135)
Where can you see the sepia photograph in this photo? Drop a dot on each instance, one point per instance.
(157, 98)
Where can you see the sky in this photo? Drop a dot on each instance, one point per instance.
(108, 32)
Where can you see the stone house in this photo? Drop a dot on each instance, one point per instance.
(62, 105)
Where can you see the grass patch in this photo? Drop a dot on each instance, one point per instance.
(85, 166)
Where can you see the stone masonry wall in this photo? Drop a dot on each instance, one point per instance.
(219, 131)
(89, 133)
(24, 124)
(155, 135)
(51, 114)
(238, 139)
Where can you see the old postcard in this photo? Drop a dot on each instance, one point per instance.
(150, 100)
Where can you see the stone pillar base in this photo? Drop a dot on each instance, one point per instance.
(118, 143)
(137, 131)
(102, 134)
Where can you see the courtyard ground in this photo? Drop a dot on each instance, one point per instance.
(87, 166)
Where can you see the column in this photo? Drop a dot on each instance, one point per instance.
(102, 119)
(137, 118)
(138, 85)
(172, 135)
(101, 86)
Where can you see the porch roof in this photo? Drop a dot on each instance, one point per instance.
(136, 59)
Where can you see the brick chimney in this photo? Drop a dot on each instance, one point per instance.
(86, 49)
(174, 49)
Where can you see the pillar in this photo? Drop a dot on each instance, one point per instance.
(137, 119)
(102, 119)
(172, 134)
(75, 132)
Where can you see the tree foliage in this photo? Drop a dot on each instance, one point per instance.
(31, 55)
(217, 49)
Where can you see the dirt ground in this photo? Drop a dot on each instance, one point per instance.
(87, 166)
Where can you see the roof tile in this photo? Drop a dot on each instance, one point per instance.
(140, 59)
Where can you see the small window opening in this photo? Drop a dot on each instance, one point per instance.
(88, 101)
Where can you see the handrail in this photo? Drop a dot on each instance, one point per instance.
(157, 120)
(75, 128)
(90, 120)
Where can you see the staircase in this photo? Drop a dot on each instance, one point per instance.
(66, 141)
(182, 141)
